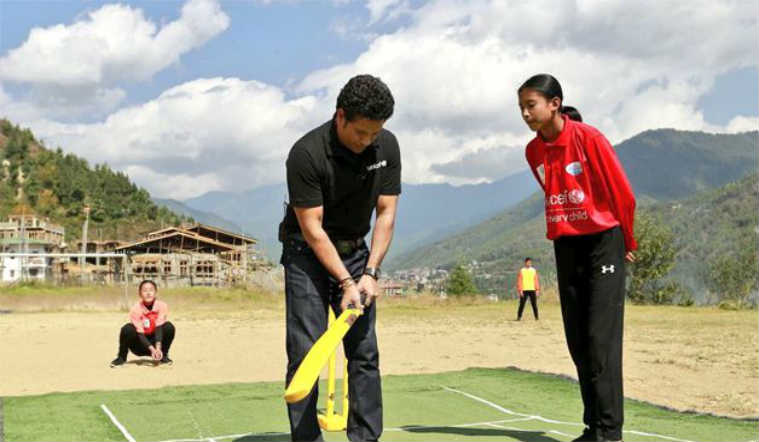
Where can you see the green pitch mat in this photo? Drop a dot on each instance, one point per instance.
(475, 404)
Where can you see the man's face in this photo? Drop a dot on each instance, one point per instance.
(528, 263)
(358, 134)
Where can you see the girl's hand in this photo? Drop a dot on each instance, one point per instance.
(630, 257)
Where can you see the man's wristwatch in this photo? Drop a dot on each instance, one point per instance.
(373, 272)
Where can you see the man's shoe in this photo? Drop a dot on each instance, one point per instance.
(166, 360)
(118, 361)
(588, 435)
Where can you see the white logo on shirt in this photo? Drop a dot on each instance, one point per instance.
(576, 215)
(576, 196)
(376, 165)
(574, 169)
(607, 269)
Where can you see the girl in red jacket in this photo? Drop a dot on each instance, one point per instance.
(589, 215)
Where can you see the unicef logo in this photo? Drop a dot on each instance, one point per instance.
(576, 196)
(574, 168)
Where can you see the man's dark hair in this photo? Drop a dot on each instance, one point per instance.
(367, 97)
(527, 259)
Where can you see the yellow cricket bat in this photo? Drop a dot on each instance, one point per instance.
(329, 420)
(308, 371)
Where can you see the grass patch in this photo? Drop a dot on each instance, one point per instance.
(417, 407)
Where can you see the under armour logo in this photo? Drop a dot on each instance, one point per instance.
(607, 269)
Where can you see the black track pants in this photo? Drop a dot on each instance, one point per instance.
(523, 300)
(591, 274)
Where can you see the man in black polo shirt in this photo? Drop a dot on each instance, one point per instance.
(337, 175)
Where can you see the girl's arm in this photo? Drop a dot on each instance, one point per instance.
(614, 179)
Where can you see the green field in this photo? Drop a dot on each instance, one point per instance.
(475, 404)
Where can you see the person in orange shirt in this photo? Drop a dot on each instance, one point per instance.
(148, 332)
(528, 286)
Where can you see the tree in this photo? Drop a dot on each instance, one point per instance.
(655, 259)
(460, 282)
(733, 275)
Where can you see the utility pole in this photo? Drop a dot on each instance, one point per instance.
(83, 259)
(24, 247)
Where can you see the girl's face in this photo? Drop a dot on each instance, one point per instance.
(537, 110)
(147, 293)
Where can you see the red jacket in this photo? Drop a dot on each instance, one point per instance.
(586, 189)
(144, 320)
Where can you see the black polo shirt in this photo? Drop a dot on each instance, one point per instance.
(323, 172)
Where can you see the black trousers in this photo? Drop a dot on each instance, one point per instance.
(591, 274)
(523, 300)
(309, 289)
(129, 340)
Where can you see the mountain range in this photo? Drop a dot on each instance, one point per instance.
(662, 165)
(424, 212)
(697, 173)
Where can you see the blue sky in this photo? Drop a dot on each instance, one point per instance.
(275, 43)
(199, 95)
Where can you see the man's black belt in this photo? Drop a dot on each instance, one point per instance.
(347, 246)
(344, 246)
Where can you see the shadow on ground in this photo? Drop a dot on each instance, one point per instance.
(496, 433)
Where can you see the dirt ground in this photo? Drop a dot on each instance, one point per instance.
(700, 359)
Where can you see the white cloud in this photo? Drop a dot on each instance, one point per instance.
(379, 8)
(627, 66)
(742, 123)
(490, 163)
(177, 186)
(454, 71)
(77, 67)
(228, 133)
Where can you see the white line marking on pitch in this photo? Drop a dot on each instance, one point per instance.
(117, 423)
(550, 421)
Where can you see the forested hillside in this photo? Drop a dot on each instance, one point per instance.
(58, 186)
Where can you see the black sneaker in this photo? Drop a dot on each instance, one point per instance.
(118, 361)
(588, 435)
(166, 360)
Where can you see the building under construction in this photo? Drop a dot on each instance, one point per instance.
(191, 255)
(25, 234)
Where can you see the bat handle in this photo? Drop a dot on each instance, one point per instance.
(363, 300)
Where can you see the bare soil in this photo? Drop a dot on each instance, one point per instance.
(700, 359)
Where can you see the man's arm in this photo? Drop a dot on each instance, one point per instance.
(519, 283)
(537, 283)
(310, 222)
(384, 227)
